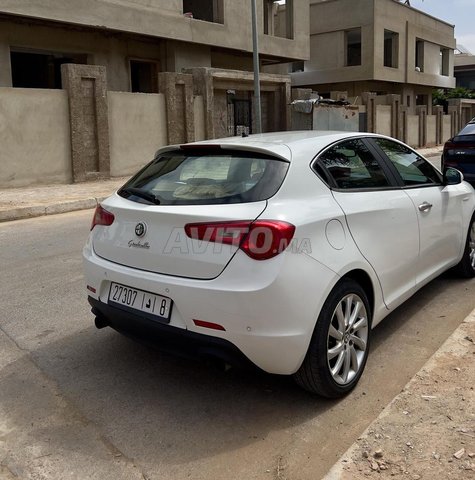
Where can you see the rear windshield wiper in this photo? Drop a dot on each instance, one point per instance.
(138, 192)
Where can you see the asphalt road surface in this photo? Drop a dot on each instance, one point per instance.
(77, 403)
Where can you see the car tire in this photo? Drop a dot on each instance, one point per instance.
(339, 346)
(466, 267)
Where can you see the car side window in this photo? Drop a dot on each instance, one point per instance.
(413, 169)
(350, 165)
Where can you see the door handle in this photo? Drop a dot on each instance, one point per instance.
(425, 207)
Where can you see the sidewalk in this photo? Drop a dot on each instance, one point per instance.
(428, 430)
(36, 201)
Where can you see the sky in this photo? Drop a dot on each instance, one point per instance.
(460, 13)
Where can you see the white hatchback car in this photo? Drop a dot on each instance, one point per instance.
(280, 249)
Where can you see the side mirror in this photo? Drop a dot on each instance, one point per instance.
(452, 176)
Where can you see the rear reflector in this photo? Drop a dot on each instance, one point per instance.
(91, 289)
(260, 240)
(102, 217)
(213, 326)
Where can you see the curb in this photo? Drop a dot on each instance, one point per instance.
(456, 346)
(21, 213)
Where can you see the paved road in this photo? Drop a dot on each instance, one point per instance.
(435, 160)
(78, 403)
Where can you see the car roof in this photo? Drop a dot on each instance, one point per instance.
(282, 144)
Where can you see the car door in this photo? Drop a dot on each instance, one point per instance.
(438, 207)
(380, 216)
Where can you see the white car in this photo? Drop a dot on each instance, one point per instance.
(280, 249)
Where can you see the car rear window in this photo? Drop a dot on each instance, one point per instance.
(191, 177)
(467, 134)
(469, 129)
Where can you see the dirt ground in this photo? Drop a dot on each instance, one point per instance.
(428, 431)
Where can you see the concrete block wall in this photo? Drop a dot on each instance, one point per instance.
(386, 115)
(431, 131)
(137, 129)
(35, 137)
(87, 92)
(343, 118)
(383, 123)
(412, 131)
(446, 127)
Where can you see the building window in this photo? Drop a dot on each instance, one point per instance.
(298, 67)
(444, 62)
(278, 18)
(206, 10)
(419, 55)
(353, 47)
(34, 69)
(422, 99)
(143, 76)
(391, 49)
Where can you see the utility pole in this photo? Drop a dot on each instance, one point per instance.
(257, 85)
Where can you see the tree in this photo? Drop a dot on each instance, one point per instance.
(441, 96)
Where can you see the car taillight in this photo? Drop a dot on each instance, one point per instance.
(260, 240)
(102, 217)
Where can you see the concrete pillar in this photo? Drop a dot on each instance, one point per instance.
(438, 111)
(395, 102)
(5, 65)
(88, 112)
(203, 85)
(178, 91)
(403, 112)
(421, 110)
(455, 105)
(286, 100)
(453, 112)
(369, 99)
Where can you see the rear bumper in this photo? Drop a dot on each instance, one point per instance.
(167, 338)
(268, 311)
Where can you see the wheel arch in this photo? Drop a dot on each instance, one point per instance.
(313, 373)
(364, 280)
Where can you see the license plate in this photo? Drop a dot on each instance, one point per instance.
(132, 299)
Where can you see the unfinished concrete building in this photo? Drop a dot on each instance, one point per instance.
(383, 46)
(101, 74)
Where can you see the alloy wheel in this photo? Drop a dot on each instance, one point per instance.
(348, 335)
(471, 245)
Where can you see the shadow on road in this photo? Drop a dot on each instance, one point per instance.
(166, 410)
